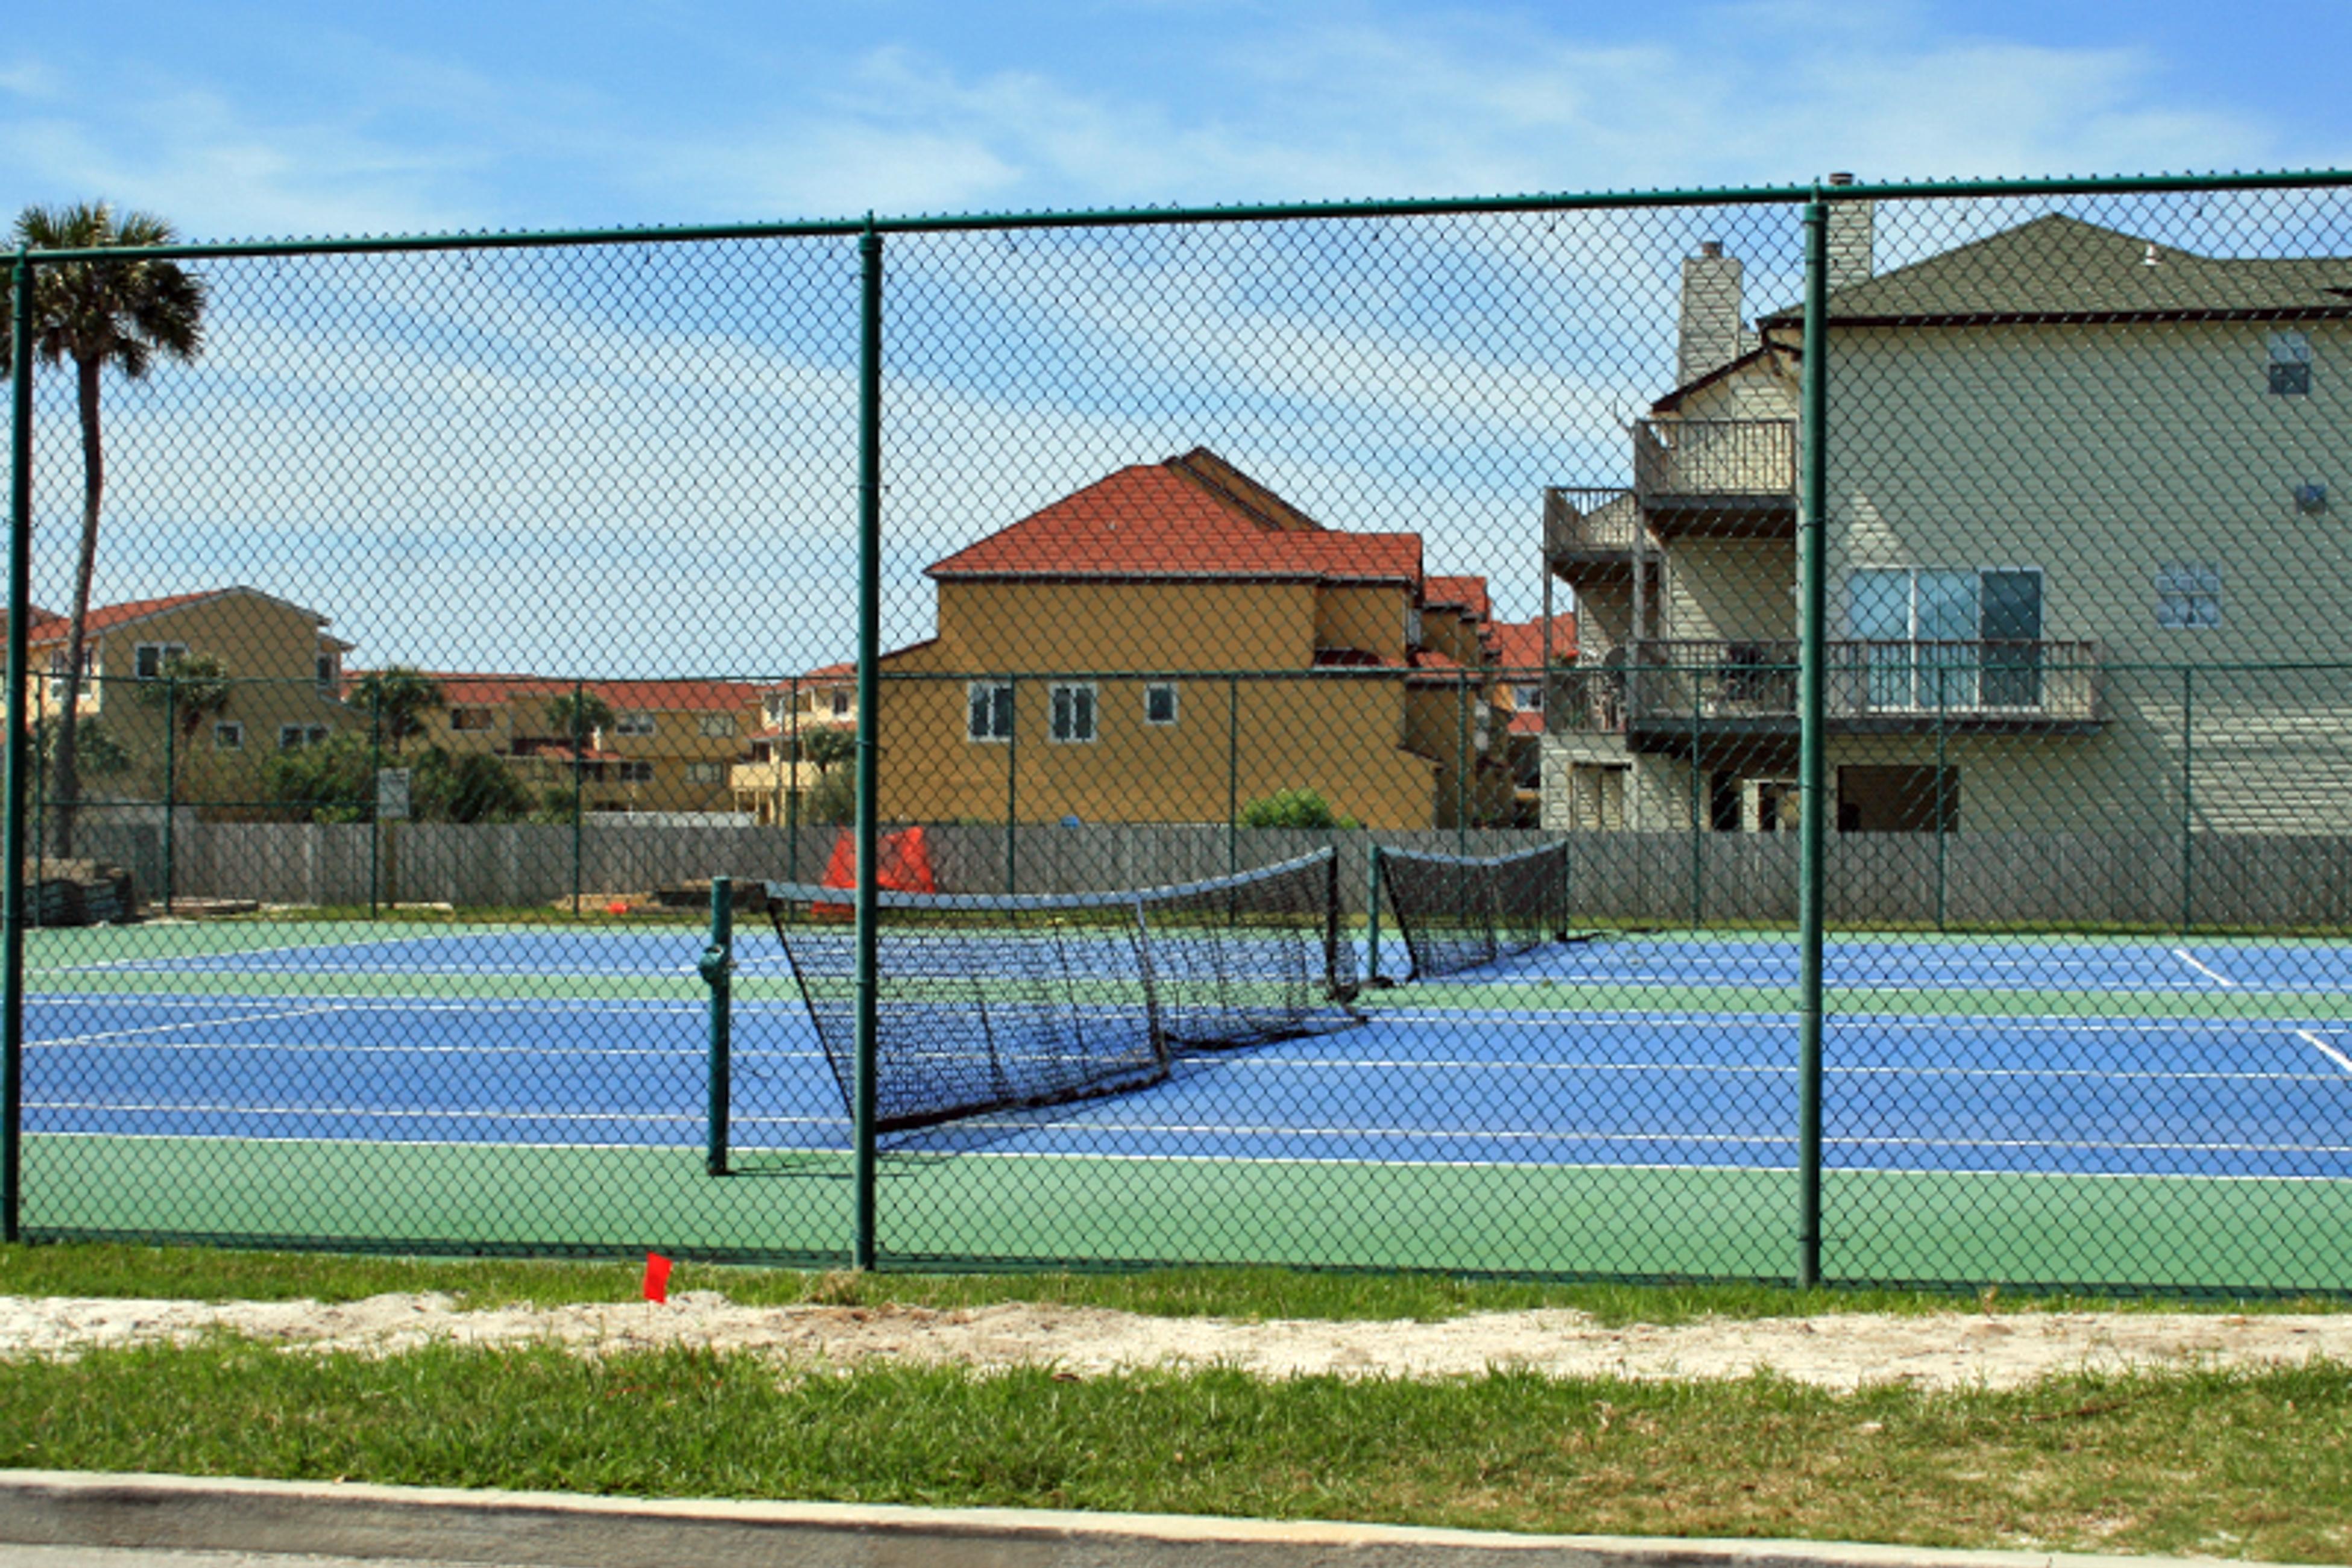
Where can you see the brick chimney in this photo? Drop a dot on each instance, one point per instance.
(1708, 337)
(1851, 241)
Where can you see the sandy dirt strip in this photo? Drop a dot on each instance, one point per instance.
(1837, 1351)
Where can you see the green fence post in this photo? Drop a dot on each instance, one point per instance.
(1461, 764)
(1372, 919)
(1233, 774)
(718, 969)
(864, 1158)
(1012, 782)
(579, 784)
(171, 780)
(375, 815)
(1942, 803)
(1700, 807)
(788, 785)
(20, 597)
(1812, 766)
(2188, 800)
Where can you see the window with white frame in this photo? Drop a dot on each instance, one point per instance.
(330, 674)
(636, 772)
(228, 736)
(1159, 703)
(634, 724)
(1527, 699)
(988, 710)
(2290, 364)
(472, 718)
(1074, 713)
(719, 726)
(148, 659)
(706, 773)
(2187, 595)
(295, 737)
(840, 701)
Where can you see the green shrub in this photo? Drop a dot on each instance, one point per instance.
(1294, 809)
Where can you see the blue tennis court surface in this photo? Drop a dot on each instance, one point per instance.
(1549, 1061)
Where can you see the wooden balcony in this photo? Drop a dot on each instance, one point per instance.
(1717, 478)
(1591, 535)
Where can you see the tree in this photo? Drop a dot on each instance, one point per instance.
(470, 787)
(1294, 809)
(191, 688)
(118, 313)
(834, 797)
(578, 716)
(396, 700)
(334, 781)
(828, 746)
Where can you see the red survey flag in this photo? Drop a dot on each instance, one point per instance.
(656, 1277)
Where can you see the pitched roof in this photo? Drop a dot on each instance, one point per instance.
(1191, 519)
(1521, 642)
(107, 617)
(1467, 593)
(472, 689)
(2057, 268)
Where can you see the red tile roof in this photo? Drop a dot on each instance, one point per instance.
(1462, 592)
(469, 689)
(1522, 642)
(1164, 520)
(105, 617)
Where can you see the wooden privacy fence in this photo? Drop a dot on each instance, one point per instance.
(1670, 879)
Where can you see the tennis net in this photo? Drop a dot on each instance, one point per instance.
(1458, 912)
(992, 1002)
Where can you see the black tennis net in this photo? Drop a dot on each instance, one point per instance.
(1458, 912)
(990, 1002)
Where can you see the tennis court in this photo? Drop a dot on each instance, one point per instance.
(2102, 1111)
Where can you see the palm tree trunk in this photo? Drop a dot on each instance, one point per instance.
(93, 489)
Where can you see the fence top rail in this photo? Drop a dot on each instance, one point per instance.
(1260, 212)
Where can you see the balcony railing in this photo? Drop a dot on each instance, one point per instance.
(1894, 685)
(1698, 459)
(1590, 521)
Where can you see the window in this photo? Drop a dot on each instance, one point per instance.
(1527, 699)
(295, 737)
(1074, 714)
(148, 659)
(329, 678)
(634, 724)
(1898, 800)
(840, 701)
(471, 719)
(719, 726)
(706, 773)
(2187, 595)
(1159, 703)
(57, 669)
(636, 772)
(988, 710)
(2290, 366)
(228, 737)
(1929, 638)
(1413, 625)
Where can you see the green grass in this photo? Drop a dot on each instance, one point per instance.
(2246, 1464)
(197, 1273)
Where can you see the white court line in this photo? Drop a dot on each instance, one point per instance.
(2324, 1049)
(2182, 954)
(125, 1034)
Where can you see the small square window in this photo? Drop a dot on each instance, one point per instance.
(634, 724)
(228, 737)
(719, 726)
(2290, 364)
(148, 659)
(988, 710)
(636, 772)
(706, 773)
(1527, 699)
(295, 737)
(840, 701)
(2187, 595)
(1074, 714)
(1159, 703)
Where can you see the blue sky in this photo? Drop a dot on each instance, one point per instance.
(502, 465)
(240, 119)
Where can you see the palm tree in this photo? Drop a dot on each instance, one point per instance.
(193, 687)
(398, 697)
(110, 313)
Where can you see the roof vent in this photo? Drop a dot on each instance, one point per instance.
(2151, 258)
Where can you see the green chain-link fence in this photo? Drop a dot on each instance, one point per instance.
(1971, 904)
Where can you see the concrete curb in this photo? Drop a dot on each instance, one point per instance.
(542, 1529)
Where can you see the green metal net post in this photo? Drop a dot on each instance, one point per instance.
(20, 598)
(375, 824)
(1012, 784)
(1812, 766)
(869, 647)
(788, 784)
(579, 787)
(718, 968)
(1461, 764)
(2188, 800)
(1372, 918)
(1233, 774)
(170, 782)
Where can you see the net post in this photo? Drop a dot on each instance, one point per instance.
(1012, 781)
(2188, 798)
(788, 784)
(20, 594)
(1372, 919)
(375, 825)
(864, 1155)
(579, 785)
(1233, 774)
(1813, 768)
(1338, 988)
(718, 970)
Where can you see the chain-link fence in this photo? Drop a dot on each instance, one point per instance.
(1972, 904)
